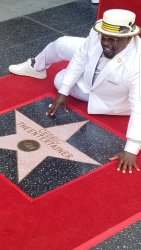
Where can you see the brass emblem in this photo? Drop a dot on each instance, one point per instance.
(28, 145)
(119, 60)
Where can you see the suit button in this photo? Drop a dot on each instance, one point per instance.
(119, 60)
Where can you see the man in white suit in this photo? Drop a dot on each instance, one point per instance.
(103, 70)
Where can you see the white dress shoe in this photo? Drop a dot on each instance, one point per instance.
(25, 69)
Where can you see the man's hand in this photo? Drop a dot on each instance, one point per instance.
(126, 160)
(60, 100)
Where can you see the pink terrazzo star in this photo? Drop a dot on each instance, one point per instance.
(34, 143)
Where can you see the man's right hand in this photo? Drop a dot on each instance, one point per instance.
(60, 100)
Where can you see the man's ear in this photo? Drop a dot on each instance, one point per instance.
(129, 39)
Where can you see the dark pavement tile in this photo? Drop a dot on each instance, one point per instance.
(127, 239)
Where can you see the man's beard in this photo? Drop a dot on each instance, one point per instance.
(109, 54)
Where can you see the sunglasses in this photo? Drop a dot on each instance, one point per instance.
(109, 39)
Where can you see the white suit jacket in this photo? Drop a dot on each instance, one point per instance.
(116, 89)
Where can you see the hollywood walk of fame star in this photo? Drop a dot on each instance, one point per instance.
(34, 143)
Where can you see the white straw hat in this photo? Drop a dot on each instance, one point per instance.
(117, 23)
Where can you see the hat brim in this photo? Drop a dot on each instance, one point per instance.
(98, 27)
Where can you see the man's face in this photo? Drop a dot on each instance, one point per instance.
(113, 45)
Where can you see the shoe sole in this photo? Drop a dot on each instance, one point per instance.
(30, 75)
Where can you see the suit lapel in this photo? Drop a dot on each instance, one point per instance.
(112, 65)
(93, 62)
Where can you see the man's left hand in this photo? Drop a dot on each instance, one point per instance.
(126, 160)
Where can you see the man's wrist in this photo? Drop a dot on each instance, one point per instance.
(132, 147)
(64, 90)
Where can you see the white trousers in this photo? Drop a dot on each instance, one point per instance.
(61, 49)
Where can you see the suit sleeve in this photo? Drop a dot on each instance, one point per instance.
(76, 66)
(133, 144)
